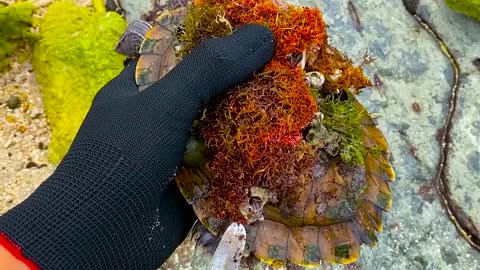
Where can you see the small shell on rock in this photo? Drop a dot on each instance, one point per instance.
(35, 112)
(8, 143)
(315, 79)
(336, 75)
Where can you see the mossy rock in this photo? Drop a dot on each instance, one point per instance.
(15, 21)
(74, 58)
(467, 7)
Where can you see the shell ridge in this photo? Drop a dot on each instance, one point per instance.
(311, 194)
(287, 244)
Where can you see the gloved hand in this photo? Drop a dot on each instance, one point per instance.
(111, 203)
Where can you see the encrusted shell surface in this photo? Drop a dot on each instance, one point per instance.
(332, 213)
(157, 52)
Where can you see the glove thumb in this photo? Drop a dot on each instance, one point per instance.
(122, 85)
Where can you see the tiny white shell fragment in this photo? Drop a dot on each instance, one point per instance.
(229, 252)
(336, 75)
(315, 79)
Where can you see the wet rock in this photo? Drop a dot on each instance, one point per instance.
(448, 256)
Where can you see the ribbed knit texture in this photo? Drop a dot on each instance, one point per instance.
(111, 203)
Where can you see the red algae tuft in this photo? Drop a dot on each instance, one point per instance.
(255, 132)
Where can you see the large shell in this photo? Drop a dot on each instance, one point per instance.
(335, 210)
(157, 53)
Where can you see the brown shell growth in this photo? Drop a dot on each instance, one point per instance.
(157, 52)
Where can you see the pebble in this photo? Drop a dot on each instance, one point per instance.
(14, 102)
(36, 112)
(31, 164)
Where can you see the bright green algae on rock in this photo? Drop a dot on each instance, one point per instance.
(467, 7)
(74, 58)
(15, 23)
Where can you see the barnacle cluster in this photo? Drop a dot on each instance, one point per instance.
(258, 133)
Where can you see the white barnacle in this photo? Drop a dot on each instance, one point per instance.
(315, 79)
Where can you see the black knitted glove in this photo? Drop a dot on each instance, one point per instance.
(111, 203)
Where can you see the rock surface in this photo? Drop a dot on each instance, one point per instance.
(413, 101)
(24, 136)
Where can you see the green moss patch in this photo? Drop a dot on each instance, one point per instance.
(15, 33)
(344, 118)
(74, 58)
(467, 7)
